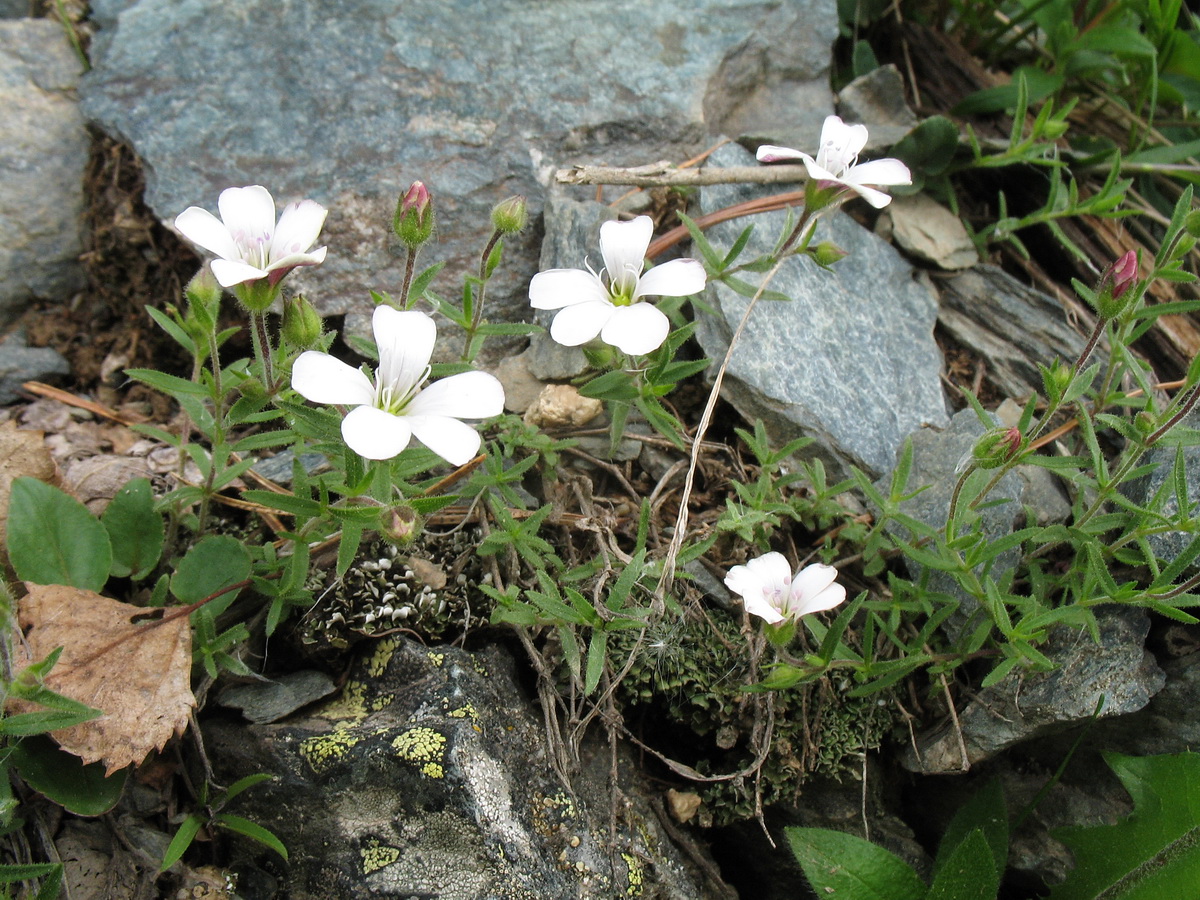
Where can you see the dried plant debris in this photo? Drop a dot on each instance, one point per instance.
(429, 589)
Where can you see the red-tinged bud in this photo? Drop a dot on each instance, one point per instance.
(413, 222)
(1114, 282)
(996, 447)
(399, 525)
(827, 253)
(510, 216)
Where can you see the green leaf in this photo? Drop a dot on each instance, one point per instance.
(597, 649)
(969, 872)
(1155, 852)
(64, 778)
(215, 563)
(846, 866)
(616, 385)
(252, 830)
(183, 839)
(135, 530)
(53, 539)
(985, 814)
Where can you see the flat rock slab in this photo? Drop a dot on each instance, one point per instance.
(349, 101)
(850, 361)
(43, 152)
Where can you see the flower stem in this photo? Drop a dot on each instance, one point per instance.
(957, 492)
(262, 348)
(409, 265)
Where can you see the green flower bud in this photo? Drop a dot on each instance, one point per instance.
(511, 215)
(1056, 379)
(826, 253)
(204, 298)
(413, 222)
(399, 525)
(302, 326)
(996, 447)
(1145, 423)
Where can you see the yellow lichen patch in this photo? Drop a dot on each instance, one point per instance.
(423, 747)
(323, 750)
(438, 659)
(376, 855)
(350, 707)
(466, 711)
(637, 875)
(479, 667)
(551, 812)
(377, 664)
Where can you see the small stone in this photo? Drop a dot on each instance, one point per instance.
(521, 388)
(561, 405)
(683, 804)
(877, 101)
(930, 232)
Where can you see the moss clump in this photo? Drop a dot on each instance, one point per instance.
(694, 671)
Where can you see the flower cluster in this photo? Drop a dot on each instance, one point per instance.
(769, 590)
(607, 304)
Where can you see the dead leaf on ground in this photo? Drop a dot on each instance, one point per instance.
(21, 453)
(142, 680)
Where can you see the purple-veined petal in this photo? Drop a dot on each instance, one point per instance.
(322, 378)
(814, 589)
(375, 434)
(769, 153)
(773, 569)
(840, 144)
(815, 171)
(557, 288)
(233, 271)
(204, 229)
(623, 246)
(580, 323)
(405, 341)
(299, 225)
(880, 172)
(452, 440)
(677, 278)
(468, 395)
(636, 329)
(249, 210)
(758, 605)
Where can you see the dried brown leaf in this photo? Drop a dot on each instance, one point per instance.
(138, 674)
(21, 453)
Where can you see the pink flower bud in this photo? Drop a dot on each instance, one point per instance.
(1123, 273)
(413, 222)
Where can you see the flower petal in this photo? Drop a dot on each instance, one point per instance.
(877, 199)
(468, 395)
(556, 288)
(375, 434)
(637, 329)
(880, 171)
(233, 271)
(769, 153)
(840, 144)
(677, 278)
(581, 322)
(452, 440)
(814, 590)
(744, 582)
(287, 263)
(774, 570)
(405, 341)
(827, 599)
(623, 246)
(298, 228)
(249, 210)
(757, 605)
(203, 228)
(322, 378)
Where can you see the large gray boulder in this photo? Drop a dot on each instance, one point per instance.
(850, 361)
(349, 101)
(43, 152)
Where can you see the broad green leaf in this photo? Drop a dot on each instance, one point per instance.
(1152, 854)
(252, 830)
(53, 539)
(969, 873)
(64, 778)
(182, 840)
(848, 867)
(135, 530)
(213, 564)
(985, 813)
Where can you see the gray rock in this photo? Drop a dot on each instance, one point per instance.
(877, 101)
(1012, 327)
(431, 776)
(270, 701)
(1024, 706)
(1167, 545)
(20, 363)
(347, 102)
(278, 468)
(850, 361)
(15, 9)
(930, 232)
(43, 152)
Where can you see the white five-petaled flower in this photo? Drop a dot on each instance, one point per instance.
(607, 304)
(769, 591)
(249, 243)
(837, 162)
(390, 411)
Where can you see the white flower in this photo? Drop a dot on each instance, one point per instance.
(607, 304)
(389, 412)
(837, 162)
(247, 240)
(769, 591)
